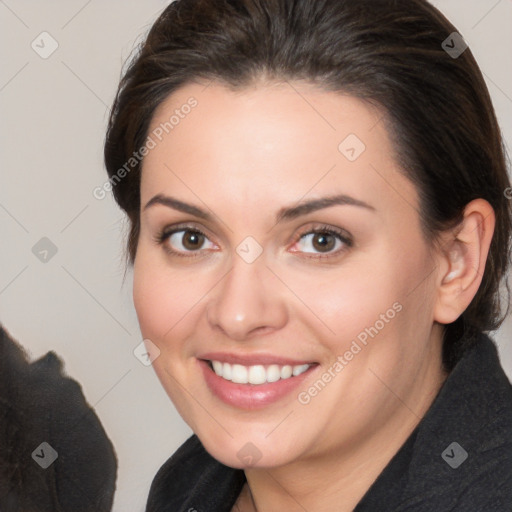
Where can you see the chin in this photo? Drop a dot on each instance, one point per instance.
(241, 453)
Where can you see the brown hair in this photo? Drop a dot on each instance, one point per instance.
(389, 52)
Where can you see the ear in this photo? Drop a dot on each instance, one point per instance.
(461, 261)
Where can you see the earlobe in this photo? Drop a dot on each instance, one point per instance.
(462, 260)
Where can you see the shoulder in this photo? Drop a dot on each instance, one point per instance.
(485, 410)
(469, 434)
(460, 455)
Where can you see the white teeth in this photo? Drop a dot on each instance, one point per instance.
(286, 372)
(239, 374)
(217, 366)
(297, 370)
(273, 373)
(257, 374)
(226, 371)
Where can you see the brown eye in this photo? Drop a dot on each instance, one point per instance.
(323, 242)
(183, 241)
(192, 240)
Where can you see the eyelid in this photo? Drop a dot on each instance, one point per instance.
(183, 226)
(344, 236)
(161, 237)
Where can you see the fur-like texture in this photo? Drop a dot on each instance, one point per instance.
(38, 403)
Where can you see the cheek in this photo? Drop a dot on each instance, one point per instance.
(374, 295)
(163, 298)
(164, 303)
(170, 301)
(150, 300)
(343, 301)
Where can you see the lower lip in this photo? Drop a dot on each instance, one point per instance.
(250, 396)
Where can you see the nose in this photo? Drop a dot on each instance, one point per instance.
(248, 300)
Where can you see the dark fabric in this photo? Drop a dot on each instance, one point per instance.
(192, 480)
(473, 409)
(39, 404)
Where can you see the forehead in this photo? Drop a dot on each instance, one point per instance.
(277, 141)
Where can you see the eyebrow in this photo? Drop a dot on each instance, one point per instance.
(284, 214)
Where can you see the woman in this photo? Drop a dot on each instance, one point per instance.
(318, 228)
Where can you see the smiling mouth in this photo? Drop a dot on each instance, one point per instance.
(253, 386)
(256, 374)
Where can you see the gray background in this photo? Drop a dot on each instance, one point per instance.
(54, 113)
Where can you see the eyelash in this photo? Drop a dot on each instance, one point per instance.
(342, 235)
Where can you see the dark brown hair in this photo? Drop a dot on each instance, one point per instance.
(389, 52)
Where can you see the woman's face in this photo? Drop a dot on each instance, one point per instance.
(243, 259)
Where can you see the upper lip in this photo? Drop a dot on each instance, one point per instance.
(252, 359)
